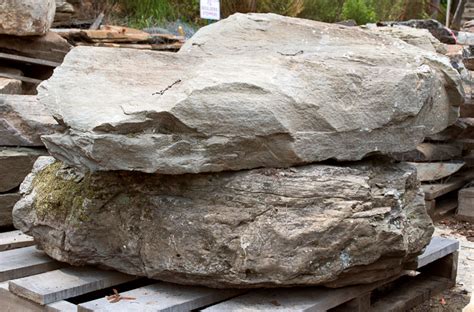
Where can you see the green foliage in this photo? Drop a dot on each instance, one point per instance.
(283, 7)
(361, 11)
(322, 10)
(145, 13)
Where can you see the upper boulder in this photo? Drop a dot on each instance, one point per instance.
(26, 17)
(256, 90)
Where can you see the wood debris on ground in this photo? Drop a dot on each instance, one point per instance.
(117, 297)
(121, 37)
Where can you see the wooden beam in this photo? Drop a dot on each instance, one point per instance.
(31, 60)
(26, 261)
(65, 283)
(15, 239)
(165, 297)
(21, 78)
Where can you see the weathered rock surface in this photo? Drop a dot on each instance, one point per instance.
(308, 225)
(250, 91)
(7, 201)
(418, 37)
(23, 120)
(26, 17)
(15, 164)
(431, 152)
(51, 46)
(8, 85)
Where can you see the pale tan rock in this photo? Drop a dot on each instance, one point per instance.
(26, 17)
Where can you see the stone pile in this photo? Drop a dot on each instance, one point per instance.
(241, 160)
(24, 32)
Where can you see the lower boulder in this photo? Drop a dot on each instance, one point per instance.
(311, 225)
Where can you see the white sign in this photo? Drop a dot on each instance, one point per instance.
(211, 9)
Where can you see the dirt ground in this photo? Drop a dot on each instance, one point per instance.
(455, 299)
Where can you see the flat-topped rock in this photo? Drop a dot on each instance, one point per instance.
(26, 17)
(307, 225)
(257, 90)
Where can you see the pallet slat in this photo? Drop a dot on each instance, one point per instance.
(65, 283)
(13, 303)
(15, 239)
(438, 248)
(17, 263)
(161, 297)
(28, 60)
(415, 293)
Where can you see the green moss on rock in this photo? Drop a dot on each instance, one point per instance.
(62, 199)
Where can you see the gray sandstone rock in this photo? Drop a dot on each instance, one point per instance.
(23, 120)
(308, 225)
(26, 17)
(257, 90)
(418, 37)
(15, 164)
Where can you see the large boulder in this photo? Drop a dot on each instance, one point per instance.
(26, 17)
(257, 90)
(308, 225)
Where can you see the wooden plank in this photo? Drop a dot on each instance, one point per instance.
(444, 206)
(162, 297)
(97, 22)
(65, 283)
(466, 204)
(292, 299)
(61, 306)
(22, 78)
(433, 191)
(15, 239)
(25, 59)
(411, 294)
(13, 303)
(438, 248)
(25, 261)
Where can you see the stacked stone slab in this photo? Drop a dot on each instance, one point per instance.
(159, 156)
(24, 27)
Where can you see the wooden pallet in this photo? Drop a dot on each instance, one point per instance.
(442, 198)
(31, 281)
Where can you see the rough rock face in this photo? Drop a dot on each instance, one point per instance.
(257, 90)
(418, 37)
(309, 225)
(26, 17)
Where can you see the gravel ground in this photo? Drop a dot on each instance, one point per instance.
(455, 299)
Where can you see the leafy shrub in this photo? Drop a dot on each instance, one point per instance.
(323, 10)
(361, 11)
